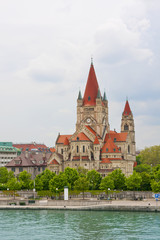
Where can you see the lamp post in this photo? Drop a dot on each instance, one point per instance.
(56, 193)
(108, 193)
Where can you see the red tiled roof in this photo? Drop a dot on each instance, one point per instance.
(91, 90)
(30, 146)
(92, 131)
(81, 137)
(119, 137)
(54, 161)
(105, 160)
(66, 142)
(52, 150)
(110, 147)
(96, 141)
(61, 138)
(127, 109)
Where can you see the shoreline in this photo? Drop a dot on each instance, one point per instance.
(86, 205)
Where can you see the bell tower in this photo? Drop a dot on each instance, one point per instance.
(92, 109)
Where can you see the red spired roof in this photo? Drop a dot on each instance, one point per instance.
(66, 142)
(127, 110)
(91, 90)
(96, 141)
(110, 147)
(81, 137)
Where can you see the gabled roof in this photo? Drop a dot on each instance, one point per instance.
(92, 131)
(117, 137)
(127, 110)
(81, 137)
(96, 141)
(53, 162)
(91, 90)
(66, 142)
(61, 138)
(32, 160)
(110, 147)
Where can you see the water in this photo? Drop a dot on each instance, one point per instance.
(95, 225)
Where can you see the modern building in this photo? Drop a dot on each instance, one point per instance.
(7, 153)
(32, 162)
(93, 145)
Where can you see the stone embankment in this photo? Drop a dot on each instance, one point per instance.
(115, 205)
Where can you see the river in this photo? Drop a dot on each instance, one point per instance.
(66, 224)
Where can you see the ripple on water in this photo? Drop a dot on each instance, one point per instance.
(51, 224)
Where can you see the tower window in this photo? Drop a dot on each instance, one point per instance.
(114, 139)
(83, 148)
(114, 149)
(77, 149)
(61, 151)
(77, 138)
(128, 149)
(89, 98)
(125, 127)
(106, 149)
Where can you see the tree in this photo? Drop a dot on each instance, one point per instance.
(118, 178)
(81, 184)
(155, 186)
(94, 178)
(138, 159)
(45, 177)
(13, 184)
(151, 155)
(3, 175)
(133, 182)
(25, 179)
(146, 182)
(10, 175)
(143, 168)
(72, 175)
(107, 183)
(82, 171)
(58, 183)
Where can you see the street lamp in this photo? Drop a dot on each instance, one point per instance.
(56, 193)
(108, 192)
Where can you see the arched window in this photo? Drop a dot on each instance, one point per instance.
(83, 148)
(126, 127)
(128, 149)
(77, 149)
(89, 98)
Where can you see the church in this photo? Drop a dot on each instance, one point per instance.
(93, 145)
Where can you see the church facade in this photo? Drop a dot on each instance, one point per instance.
(93, 145)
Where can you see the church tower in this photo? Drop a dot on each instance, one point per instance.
(92, 109)
(127, 125)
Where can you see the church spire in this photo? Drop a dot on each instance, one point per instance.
(79, 95)
(104, 96)
(92, 87)
(127, 110)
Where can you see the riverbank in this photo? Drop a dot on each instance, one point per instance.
(89, 205)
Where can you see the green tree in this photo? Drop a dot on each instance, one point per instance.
(155, 186)
(151, 155)
(13, 184)
(3, 175)
(107, 183)
(81, 184)
(10, 175)
(58, 183)
(82, 171)
(94, 178)
(118, 178)
(143, 168)
(72, 175)
(45, 177)
(133, 182)
(146, 182)
(25, 179)
(138, 159)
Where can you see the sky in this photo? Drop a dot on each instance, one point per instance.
(45, 55)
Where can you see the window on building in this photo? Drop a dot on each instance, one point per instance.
(77, 138)
(85, 164)
(20, 169)
(77, 149)
(128, 149)
(126, 127)
(83, 148)
(106, 149)
(62, 151)
(39, 169)
(114, 139)
(114, 149)
(13, 169)
(89, 98)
